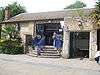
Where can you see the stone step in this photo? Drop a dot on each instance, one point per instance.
(50, 52)
(49, 56)
(45, 51)
(49, 47)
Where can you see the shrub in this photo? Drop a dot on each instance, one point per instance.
(10, 42)
(11, 47)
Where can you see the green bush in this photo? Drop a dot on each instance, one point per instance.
(11, 47)
(10, 42)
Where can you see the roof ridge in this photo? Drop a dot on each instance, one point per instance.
(78, 9)
(43, 12)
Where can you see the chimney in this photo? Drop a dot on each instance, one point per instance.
(7, 13)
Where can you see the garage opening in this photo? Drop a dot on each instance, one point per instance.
(98, 39)
(79, 44)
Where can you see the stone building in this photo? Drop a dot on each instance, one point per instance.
(80, 37)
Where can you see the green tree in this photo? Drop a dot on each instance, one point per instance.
(77, 4)
(1, 17)
(10, 41)
(9, 32)
(95, 15)
(1, 14)
(16, 9)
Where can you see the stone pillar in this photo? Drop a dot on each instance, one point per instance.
(66, 44)
(23, 42)
(93, 44)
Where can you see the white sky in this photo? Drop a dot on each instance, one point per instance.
(46, 5)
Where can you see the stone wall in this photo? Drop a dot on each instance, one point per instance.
(93, 44)
(26, 28)
(66, 44)
(71, 25)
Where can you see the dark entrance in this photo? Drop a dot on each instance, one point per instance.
(47, 30)
(28, 40)
(79, 44)
(98, 39)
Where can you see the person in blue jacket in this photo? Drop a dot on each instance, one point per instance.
(36, 40)
(37, 44)
(54, 38)
(41, 43)
(57, 43)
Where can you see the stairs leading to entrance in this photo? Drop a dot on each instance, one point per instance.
(50, 52)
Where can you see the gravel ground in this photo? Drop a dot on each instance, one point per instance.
(26, 65)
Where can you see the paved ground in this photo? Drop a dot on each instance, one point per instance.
(26, 65)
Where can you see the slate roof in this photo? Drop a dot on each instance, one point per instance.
(45, 15)
(37, 16)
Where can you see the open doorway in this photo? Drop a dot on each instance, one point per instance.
(79, 44)
(47, 30)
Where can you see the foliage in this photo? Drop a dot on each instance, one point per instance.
(9, 32)
(95, 15)
(11, 47)
(1, 13)
(77, 4)
(15, 9)
(10, 40)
